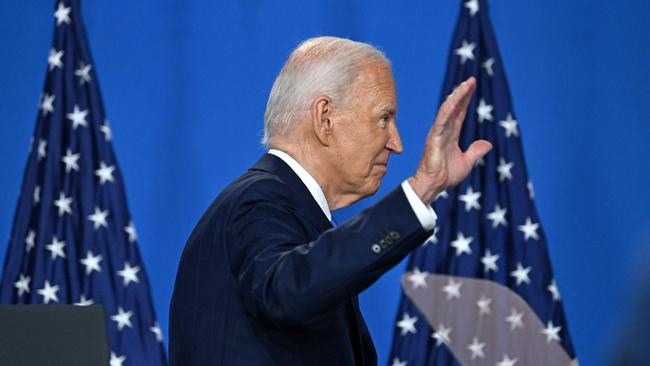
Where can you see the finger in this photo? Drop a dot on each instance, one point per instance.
(469, 83)
(454, 102)
(477, 150)
(459, 118)
(467, 97)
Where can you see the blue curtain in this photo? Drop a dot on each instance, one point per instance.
(185, 85)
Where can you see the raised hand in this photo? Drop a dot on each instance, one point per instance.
(443, 163)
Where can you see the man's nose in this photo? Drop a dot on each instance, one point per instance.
(394, 142)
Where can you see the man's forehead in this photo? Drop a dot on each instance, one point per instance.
(375, 79)
(375, 73)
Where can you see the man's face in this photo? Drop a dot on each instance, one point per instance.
(365, 131)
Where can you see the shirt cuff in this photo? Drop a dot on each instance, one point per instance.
(424, 213)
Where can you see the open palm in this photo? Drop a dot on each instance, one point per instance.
(443, 163)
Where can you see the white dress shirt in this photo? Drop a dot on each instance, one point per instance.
(424, 213)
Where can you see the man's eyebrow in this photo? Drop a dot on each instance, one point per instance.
(389, 110)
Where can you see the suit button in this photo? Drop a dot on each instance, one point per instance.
(394, 235)
(376, 248)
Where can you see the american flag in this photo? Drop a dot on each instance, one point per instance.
(480, 290)
(73, 240)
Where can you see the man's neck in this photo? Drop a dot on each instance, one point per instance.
(317, 166)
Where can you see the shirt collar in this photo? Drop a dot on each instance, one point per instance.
(306, 178)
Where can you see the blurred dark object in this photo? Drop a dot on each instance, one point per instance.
(631, 347)
(36, 335)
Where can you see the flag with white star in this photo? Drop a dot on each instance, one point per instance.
(72, 240)
(480, 290)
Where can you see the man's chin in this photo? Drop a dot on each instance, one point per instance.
(373, 182)
(374, 187)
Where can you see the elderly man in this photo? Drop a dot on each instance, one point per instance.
(267, 277)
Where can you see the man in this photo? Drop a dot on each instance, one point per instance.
(267, 278)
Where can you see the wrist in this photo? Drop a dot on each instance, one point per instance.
(425, 189)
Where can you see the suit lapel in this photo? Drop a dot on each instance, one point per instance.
(302, 198)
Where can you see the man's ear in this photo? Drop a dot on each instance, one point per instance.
(321, 119)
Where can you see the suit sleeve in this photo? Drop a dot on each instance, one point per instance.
(292, 281)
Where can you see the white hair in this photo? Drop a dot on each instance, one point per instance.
(318, 66)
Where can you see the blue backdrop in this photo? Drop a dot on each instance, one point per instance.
(185, 86)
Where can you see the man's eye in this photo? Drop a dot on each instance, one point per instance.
(384, 120)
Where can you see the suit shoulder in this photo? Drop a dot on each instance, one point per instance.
(256, 185)
(237, 198)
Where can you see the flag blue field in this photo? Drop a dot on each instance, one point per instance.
(73, 240)
(481, 290)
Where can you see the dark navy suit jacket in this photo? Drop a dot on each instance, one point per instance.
(264, 279)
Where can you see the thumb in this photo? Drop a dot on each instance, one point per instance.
(477, 150)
